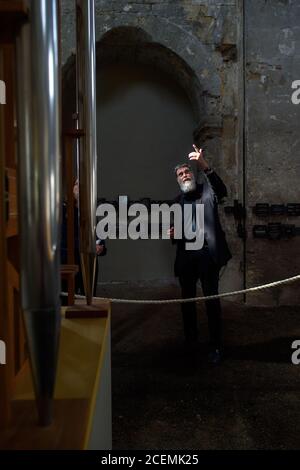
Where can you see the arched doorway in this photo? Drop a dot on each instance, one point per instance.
(145, 120)
(130, 63)
(145, 125)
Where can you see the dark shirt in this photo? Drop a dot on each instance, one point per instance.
(64, 237)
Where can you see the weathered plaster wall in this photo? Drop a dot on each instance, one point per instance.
(272, 62)
(240, 74)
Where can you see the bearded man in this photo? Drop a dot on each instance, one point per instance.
(205, 263)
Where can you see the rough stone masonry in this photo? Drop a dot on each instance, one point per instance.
(236, 60)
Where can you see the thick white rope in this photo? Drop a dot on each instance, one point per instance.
(196, 299)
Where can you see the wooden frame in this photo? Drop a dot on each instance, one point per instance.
(12, 14)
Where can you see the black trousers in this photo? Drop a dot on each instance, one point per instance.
(201, 267)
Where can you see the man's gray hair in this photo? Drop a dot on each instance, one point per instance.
(182, 165)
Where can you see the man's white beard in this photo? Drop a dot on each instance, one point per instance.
(188, 186)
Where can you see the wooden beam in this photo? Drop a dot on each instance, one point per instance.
(4, 376)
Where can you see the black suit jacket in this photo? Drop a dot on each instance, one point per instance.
(211, 191)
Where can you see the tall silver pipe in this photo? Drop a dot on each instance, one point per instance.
(39, 148)
(86, 108)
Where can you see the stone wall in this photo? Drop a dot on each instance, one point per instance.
(272, 159)
(236, 61)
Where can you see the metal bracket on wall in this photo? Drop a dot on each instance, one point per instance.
(239, 213)
(265, 209)
(275, 231)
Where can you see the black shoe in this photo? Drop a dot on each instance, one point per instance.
(215, 357)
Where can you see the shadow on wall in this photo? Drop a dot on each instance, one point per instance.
(144, 125)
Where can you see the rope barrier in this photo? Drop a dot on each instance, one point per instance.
(195, 299)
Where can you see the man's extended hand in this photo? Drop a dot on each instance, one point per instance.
(170, 232)
(99, 249)
(198, 156)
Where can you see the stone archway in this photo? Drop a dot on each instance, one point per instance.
(194, 65)
(133, 45)
(129, 44)
(147, 110)
(194, 62)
